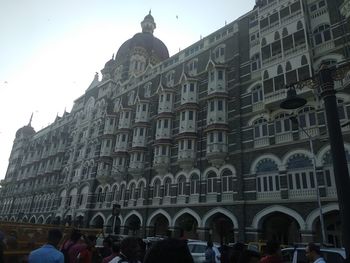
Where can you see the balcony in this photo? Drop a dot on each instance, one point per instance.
(261, 142)
(186, 158)
(104, 176)
(291, 17)
(161, 163)
(194, 199)
(273, 99)
(283, 137)
(272, 60)
(136, 168)
(323, 48)
(216, 153)
(227, 197)
(181, 199)
(212, 197)
(271, 195)
(311, 131)
(295, 51)
(304, 194)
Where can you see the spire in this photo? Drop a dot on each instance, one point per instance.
(30, 120)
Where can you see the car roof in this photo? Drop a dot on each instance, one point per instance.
(340, 251)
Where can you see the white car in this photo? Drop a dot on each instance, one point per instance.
(332, 255)
(197, 249)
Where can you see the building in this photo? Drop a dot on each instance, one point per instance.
(195, 144)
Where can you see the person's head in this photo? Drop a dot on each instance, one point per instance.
(115, 247)
(129, 248)
(90, 240)
(170, 251)
(54, 237)
(75, 235)
(272, 247)
(209, 244)
(312, 252)
(107, 242)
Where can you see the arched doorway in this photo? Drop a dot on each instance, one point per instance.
(332, 226)
(187, 225)
(132, 225)
(281, 227)
(97, 222)
(221, 229)
(160, 225)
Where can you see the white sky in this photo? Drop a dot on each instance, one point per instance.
(50, 50)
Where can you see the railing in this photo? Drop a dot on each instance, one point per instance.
(284, 137)
(261, 142)
(268, 195)
(302, 194)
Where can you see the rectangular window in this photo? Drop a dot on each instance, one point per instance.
(259, 184)
(189, 144)
(297, 180)
(277, 183)
(127, 115)
(328, 178)
(166, 123)
(123, 138)
(303, 177)
(312, 180)
(220, 105)
(212, 105)
(220, 75)
(265, 184)
(220, 137)
(141, 131)
(167, 97)
(163, 150)
(190, 115)
(212, 76)
(290, 181)
(184, 88)
(191, 87)
(211, 136)
(270, 183)
(159, 124)
(181, 145)
(144, 107)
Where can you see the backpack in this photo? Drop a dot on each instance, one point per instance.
(65, 252)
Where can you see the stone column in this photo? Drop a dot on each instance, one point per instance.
(203, 233)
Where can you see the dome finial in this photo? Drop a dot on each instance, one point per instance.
(148, 24)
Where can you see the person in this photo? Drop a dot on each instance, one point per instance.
(273, 250)
(48, 253)
(170, 251)
(209, 253)
(236, 252)
(89, 254)
(313, 253)
(129, 251)
(217, 254)
(106, 250)
(115, 252)
(249, 256)
(72, 246)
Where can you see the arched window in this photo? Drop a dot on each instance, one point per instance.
(260, 128)
(132, 192)
(167, 187)
(283, 123)
(194, 185)
(99, 195)
(267, 180)
(307, 117)
(303, 60)
(226, 181)
(266, 74)
(181, 185)
(156, 188)
(141, 190)
(211, 182)
(255, 62)
(284, 32)
(277, 35)
(288, 66)
(300, 175)
(279, 70)
(257, 94)
(114, 193)
(322, 34)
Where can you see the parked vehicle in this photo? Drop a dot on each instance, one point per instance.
(333, 255)
(197, 249)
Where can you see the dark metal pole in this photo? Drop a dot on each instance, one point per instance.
(341, 173)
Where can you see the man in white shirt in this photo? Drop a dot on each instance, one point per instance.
(313, 253)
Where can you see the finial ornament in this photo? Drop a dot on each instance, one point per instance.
(150, 11)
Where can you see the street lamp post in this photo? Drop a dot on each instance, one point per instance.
(326, 91)
(295, 120)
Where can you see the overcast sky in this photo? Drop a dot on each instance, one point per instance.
(50, 50)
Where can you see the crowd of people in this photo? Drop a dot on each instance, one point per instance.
(81, 249)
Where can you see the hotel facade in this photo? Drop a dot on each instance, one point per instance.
(196, 144)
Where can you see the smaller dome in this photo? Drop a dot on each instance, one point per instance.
(25, 131)
(110, 63)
